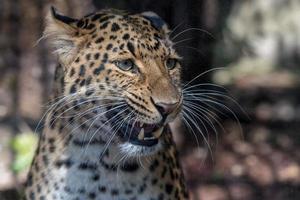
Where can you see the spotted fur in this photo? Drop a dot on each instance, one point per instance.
(81, 155)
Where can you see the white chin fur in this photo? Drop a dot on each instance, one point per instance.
(136, 150)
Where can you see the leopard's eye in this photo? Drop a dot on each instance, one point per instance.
(171, 63)
(125, 65)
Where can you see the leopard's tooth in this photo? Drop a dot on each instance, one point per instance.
(141, 124)
(158, 133)
(141, 134)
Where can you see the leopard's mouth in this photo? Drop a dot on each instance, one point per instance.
(139, 133)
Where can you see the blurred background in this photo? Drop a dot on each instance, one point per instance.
(255, 46)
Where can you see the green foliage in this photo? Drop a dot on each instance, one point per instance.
(24, 146)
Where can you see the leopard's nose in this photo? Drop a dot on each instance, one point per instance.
(165, 108)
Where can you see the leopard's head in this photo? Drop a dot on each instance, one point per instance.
(123, 65)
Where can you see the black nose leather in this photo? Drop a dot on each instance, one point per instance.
(165, 109)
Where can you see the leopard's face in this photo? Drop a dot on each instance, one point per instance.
(128, 67)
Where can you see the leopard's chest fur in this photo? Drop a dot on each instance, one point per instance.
(74, 168)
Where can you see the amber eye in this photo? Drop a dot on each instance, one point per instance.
(171, 63)
(125, 65)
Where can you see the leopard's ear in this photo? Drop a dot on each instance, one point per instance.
(156, 21)
(63, 34)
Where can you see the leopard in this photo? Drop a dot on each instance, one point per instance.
(106, 134)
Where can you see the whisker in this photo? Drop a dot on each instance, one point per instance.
(76, 105)
(48, 111)
(226, 108)
(102, 125)
(206, 95)
(192, 29)
(213, 108)
(193, 48)
(109, 141)
(170, 34)
(203, 84)
(191, 115)
(180, 41)
(200, 131)
(202, 111)
(203, 73)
